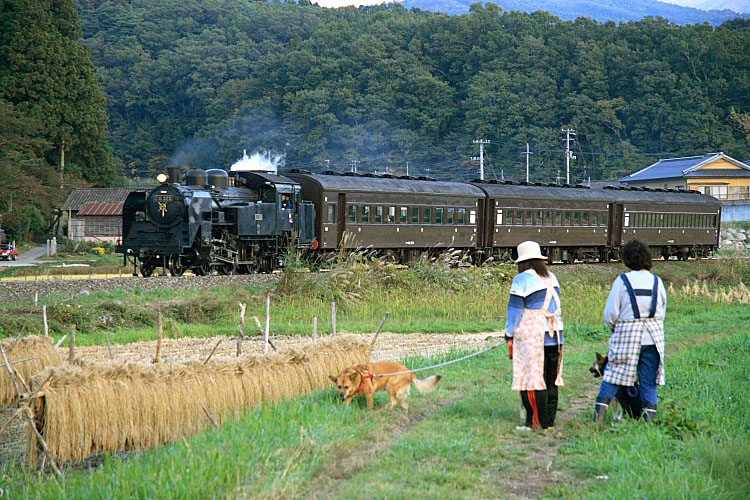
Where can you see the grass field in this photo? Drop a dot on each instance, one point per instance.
(458, 441)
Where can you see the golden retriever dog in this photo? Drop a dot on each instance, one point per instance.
(360, 379)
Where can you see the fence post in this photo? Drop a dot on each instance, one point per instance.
(333, 318)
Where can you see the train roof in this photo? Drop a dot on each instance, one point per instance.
(349, 182)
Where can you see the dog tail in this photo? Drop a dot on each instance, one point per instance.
(427, 384)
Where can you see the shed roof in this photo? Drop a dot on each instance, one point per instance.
(80, 197)
(671, 168)
(102, 208)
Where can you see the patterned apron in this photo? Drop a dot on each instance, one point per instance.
(625, 344)
(528, 345)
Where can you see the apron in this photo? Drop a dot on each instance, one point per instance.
(528, 346)
(625, 344)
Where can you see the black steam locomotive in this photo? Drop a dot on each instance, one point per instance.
(241, 223)
(244, 222)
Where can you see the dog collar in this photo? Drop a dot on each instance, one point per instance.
(362, 384)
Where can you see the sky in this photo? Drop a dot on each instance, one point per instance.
(736, 5)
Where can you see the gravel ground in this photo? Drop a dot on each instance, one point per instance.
(389, 346)
(19, 290)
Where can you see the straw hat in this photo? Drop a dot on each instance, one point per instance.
(529, 250)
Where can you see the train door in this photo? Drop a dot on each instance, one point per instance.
(482, 234)
(614, 238)
(341, 218)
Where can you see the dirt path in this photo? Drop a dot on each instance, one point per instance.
(389, 346)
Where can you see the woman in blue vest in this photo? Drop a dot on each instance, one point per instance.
(635, 313)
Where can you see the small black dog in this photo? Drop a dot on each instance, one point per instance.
(628, 397)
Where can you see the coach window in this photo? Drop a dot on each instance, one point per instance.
(595, 218)
(462, 216)
(403, 215)
(352, 213)
(499, 218)
(451, 211)
(567, 218)
(472, 217)
(391, 214)
(576, 218)
(331, 212)
(426, 215)
(604, 218)
(548, 218)
(439, 215)
(415, 215)
(365, 213)
(627, 220)
(558, 218)
(529, 217)
(379, 213)
(509, 217)
(585, 218)
(519, 218)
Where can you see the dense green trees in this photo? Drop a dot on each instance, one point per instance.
(200, 81)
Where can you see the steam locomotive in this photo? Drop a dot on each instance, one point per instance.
(241, 223)
(245, 221)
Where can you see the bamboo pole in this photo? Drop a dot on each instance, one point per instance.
(71, 353)
(241, 334)
(315, 329)
(212, 351)
(333, 318)
(59, 342)
(262, 332)
(380, 328)
(159, 332)
(213, 422)
(268, 323)
(109, 348)
(20, 361)
(46, 325)
(10, 372)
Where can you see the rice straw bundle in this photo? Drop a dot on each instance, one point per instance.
(34, 346)
(121, 406)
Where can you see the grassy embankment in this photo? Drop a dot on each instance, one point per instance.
(459, 442)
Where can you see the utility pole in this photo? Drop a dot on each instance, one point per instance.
(62, 163)
(481, 143)
(527, 153)
(407, 169)
(568, 152)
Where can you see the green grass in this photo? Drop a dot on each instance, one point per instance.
(459, 441)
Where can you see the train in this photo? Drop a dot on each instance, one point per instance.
(246, 221)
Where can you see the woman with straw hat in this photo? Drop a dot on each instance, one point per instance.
(534, 331)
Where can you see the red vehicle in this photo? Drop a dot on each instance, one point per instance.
(8, 252)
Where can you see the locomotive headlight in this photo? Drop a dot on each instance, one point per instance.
(162, 178)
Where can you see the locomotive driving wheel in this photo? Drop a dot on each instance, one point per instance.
(202, 270)
(176, 267)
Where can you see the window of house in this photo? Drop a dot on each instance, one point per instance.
(415, 215)
(379, 213)
(462, 216)
(352, 213)
(403, 215)
(365, 213)
(439, 215)
(331, 212)
(427, 215)
(451, 212)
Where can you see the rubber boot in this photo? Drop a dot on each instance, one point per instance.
(600, 410)
(649, 412)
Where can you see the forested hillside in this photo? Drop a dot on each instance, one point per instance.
(50, 101)
(601, 10)
(199, 81)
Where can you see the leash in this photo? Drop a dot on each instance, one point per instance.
(446, 363)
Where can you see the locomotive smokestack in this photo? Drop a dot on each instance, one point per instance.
(174, 174)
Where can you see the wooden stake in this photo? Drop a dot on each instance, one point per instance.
(36, 298)
(212, 351)
(72, 344)
(42, 442)
(10, 372)
(109, 348)
(213, 422)
(46, 326)
(315, 329)
(380, 328)
(158, 338)
(20, 361)
(333, 318)
(241, 334)
(268, 322)
(262, 332)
